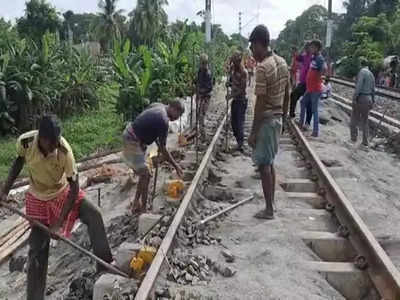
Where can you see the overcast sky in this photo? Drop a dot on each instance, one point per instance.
(273, 13)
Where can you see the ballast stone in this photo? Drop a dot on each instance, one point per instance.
(146, 221)
(107, 284)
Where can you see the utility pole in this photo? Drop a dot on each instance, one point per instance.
(329, 29)
(208, 21)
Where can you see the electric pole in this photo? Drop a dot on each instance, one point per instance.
(208, 21)
(329, 29)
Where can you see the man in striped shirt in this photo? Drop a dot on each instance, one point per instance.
(272, 104)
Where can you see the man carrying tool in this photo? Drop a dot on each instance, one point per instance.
(239, 103)
(150, 126)
(53, 198)
(272, 103)
(204, 89)
(363, 101)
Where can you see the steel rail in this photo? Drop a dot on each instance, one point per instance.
(379, 116)
(388, 93)
(147, 284)
(381, 270)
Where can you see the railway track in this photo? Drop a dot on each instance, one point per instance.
(391, 93)
(345, 259)
(311, 208)
(385, 123)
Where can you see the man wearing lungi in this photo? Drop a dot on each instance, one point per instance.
(53, 198)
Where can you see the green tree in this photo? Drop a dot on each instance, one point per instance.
(387, 7)
(238, 41)
(39, 18)
(149, 20)
(311, 23)
(107, 28)
(8, 34)
(84, 27)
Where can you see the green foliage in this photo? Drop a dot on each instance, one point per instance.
(149, 21)
(378, 28)
(96, 130)
(39, 18)
(147, 76)
(47, 78)
(372, 38)
(312, 22)
(134, 74)
(107, 28)
(165, 71)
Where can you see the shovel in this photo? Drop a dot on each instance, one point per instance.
(72, 244)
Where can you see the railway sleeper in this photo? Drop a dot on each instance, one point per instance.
(345, 277)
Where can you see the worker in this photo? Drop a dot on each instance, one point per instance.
(313, 86)
(149, 126)
(239, 103)
(305, 59)
(204, 89)
(53, 198)
(250, 65)
(363, 101)
(272, 103)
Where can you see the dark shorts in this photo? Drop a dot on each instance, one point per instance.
(267, 142)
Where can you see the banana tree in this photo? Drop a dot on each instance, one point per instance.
(175, 62)
(134, 73)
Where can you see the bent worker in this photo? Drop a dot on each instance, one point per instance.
(363, 101)
(53, 198)
(149, 126)
(272, 104)
(239, 103)
(204, 89)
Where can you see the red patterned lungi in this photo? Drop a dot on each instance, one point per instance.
(48, 212)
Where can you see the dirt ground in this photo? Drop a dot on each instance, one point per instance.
(268, 253)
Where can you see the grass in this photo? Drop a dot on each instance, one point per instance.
(91, 131)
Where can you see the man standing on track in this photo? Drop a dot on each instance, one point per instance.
(314, 86)
(305, 59)
(54, 199)
(239, 103)
(150, 126)
(272, 103)
(363, 100)
(204, 89)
